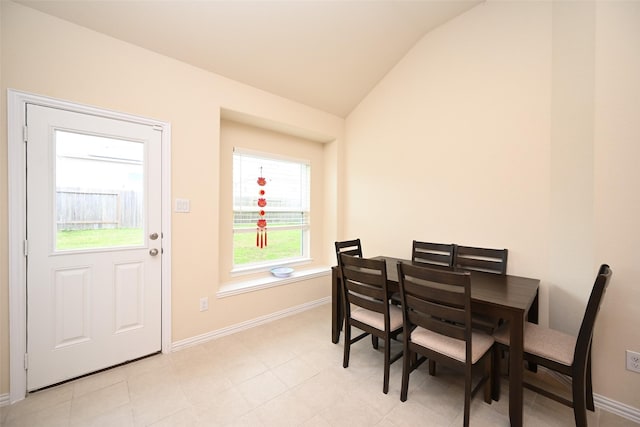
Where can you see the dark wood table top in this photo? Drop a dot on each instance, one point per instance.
(488, 288)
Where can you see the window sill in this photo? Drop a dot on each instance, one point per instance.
(238, 288)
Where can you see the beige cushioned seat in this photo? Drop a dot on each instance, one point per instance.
(548, 343)
(376, 319)
(452, 347)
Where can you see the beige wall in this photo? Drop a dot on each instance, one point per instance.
(516, 125)
(47, 56)
(616, 197)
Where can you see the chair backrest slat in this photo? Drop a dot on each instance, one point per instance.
(434, 293)
(350, 247)
(481, 259)
(436, 254)
(368, 303)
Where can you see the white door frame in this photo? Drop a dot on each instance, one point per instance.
(16, 108)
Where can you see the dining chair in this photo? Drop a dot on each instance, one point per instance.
(481, 259)
(349, 247)
(485, 260)
(562, 353)
(366, 307)
(436, 311)
(434, 254)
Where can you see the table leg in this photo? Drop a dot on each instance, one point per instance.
(516, 354)
(532, 317)
(336, 306)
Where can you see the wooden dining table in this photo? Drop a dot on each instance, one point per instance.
(507, 297)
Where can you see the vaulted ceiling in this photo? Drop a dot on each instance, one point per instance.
(327, 54)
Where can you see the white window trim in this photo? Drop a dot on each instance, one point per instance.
(248, 268)
(237, 288)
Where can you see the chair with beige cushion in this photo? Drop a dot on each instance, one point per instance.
(436, 307)
(562, 353)
(366, 307)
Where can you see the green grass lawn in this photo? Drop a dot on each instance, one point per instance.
(101, 238)
(281, 244)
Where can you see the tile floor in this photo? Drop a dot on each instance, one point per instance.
(285, 373)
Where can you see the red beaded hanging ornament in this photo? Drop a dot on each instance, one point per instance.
(261, 233)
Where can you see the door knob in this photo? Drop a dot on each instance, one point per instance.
(153, 236)
(153, 252)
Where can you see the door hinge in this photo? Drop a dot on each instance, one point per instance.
(26, 361)
(26, 247)
(25, 133)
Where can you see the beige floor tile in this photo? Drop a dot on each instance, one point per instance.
(248, 420)
(201, 390)
(183, 418)
(51, 416)
(4, 411)
(262, 388)
(284, 410)
(151, 363)
(351, 410)
(95, 382)
(283, 373)
(98, 402)
(224, 408)
(153, 381)
(322, 391)
(412, 414)
(152, 407)
(607, 419)
(295, 372)
(120, 416)
(41, 400)
(243, 369)
(316, 421)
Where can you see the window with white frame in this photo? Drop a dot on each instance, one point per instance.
(284, 236)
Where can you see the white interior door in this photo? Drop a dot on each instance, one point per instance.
(93, 243)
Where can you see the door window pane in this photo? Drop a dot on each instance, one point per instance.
(99, 200)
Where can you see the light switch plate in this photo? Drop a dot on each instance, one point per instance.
(183, 205)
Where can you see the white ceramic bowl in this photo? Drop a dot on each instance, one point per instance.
(282, 271)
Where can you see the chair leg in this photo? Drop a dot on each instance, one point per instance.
(467, 398)
(496, 372)
(347, 345)
(489, 378)
(432, 367)
(387, 364)
(590, 404)
(579, 399)
(406, 369)
(374, 341)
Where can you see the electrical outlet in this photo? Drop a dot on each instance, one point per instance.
(204, 304)
(633, 361)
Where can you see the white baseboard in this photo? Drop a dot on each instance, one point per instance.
(199, 339)
(620, 409)
(4, 399)
(602, 402)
